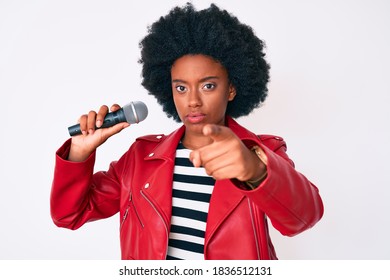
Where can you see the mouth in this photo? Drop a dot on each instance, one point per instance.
(195, 118)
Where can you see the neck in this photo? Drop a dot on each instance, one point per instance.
(194, 142)
(194, 139)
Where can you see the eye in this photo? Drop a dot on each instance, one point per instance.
(209, 86)
(181, 89)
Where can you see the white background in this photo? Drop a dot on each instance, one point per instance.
(328, 97)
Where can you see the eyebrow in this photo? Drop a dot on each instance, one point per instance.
(201, 80)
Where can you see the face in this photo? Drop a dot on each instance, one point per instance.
(201, 91)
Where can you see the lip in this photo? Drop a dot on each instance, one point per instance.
(195, 118)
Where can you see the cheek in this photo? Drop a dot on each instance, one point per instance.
(222, 100)
(218, 106)
(179, 106)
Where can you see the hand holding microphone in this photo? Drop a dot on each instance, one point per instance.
(88, 134)
(134, 112)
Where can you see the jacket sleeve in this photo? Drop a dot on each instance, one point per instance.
(287, 197)
(79, 196)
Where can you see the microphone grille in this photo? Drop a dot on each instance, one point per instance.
(135, 112)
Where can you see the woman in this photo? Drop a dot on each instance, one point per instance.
(204, 191)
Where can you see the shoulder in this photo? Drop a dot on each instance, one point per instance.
(158, 138)
(270, 138)
(160, 145)
(151, 138)
(273, 142)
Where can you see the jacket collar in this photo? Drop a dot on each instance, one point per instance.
(167, 147)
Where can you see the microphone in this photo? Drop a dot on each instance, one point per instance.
(134, 112)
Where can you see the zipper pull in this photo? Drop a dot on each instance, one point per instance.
(127, 209)
(126, 213)
(124, 217)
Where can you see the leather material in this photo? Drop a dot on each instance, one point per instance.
(139, 186)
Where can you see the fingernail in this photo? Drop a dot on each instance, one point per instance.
(98, 123)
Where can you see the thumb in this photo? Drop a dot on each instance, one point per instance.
(217, 132)
(195, 158)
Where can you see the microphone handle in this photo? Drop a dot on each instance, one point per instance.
(111, 119)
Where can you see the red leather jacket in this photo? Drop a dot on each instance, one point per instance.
(139, 185)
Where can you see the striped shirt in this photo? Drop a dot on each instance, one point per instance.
(192, 189)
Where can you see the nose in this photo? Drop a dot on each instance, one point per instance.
(194, 98)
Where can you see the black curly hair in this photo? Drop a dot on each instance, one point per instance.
(212, 32)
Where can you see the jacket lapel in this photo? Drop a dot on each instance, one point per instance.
(224, 200)
(159, 184)
(226, 196)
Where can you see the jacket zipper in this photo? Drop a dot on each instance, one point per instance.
(158, 213)
(124, 216)
(127, 211)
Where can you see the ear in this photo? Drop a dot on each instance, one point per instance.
(232, 92)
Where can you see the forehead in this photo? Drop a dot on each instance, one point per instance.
(196, 66)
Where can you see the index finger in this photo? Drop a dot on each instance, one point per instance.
(217, 132)
(100, 115)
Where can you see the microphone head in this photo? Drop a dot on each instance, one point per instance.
(135, 112)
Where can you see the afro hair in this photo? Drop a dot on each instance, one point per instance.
(212, 32)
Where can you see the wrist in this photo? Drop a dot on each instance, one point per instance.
(262, 173)
(78, 154)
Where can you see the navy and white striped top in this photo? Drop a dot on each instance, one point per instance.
(192, 189)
